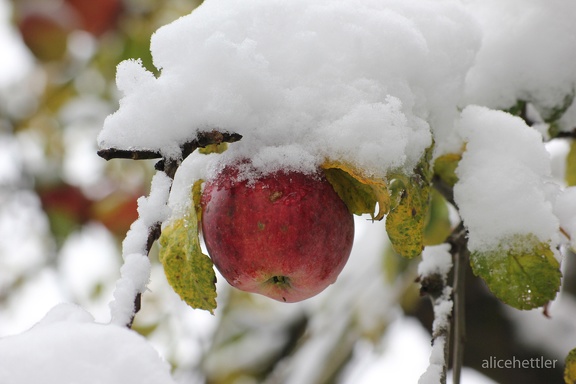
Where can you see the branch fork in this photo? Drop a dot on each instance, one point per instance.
(147, 228)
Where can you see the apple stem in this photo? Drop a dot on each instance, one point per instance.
(281, 280)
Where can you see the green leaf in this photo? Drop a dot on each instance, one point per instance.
(189, 271)
(445, 167)
(571, 165)
(438, 225)
(359, 193)
(522, 272)
(570, 368)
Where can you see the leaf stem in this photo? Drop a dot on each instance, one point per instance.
(565, 233)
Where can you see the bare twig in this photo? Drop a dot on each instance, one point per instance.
(202, 140)
(459, 251)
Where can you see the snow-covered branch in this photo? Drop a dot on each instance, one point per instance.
(152, 212)
(433, 275)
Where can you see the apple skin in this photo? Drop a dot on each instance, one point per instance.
(285, 235)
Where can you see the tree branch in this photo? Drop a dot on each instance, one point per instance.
(460, 255)
(202, 140)
(433, 276)
(567, 134)
(168, 166)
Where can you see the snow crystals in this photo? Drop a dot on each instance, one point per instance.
(504, 186)
(67, 346)
(357, 81)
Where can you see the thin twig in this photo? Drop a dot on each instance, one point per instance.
(459, 250)
(565, 233)
(202, 140)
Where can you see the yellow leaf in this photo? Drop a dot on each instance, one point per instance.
(406, 221)
(360, 193)
(189, 271)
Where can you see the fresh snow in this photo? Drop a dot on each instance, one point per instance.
(435, 260)
(67, 346)
(358, 81)
(135, 273)
(505, 186)
(528, 47)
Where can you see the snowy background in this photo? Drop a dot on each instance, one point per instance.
(339, 70)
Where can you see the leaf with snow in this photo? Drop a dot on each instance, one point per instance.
(522, 272)
(570, 368)
(406, 221)
(360, 193)
(189, 271)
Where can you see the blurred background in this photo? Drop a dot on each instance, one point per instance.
(64, 212)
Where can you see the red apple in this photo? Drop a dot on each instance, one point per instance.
(285, 235)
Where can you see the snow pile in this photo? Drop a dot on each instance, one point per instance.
(354, 80)
(528, 53)
(503, 188)
(435, 260)
(68, 347)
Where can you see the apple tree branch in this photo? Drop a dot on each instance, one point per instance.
(152, 212)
